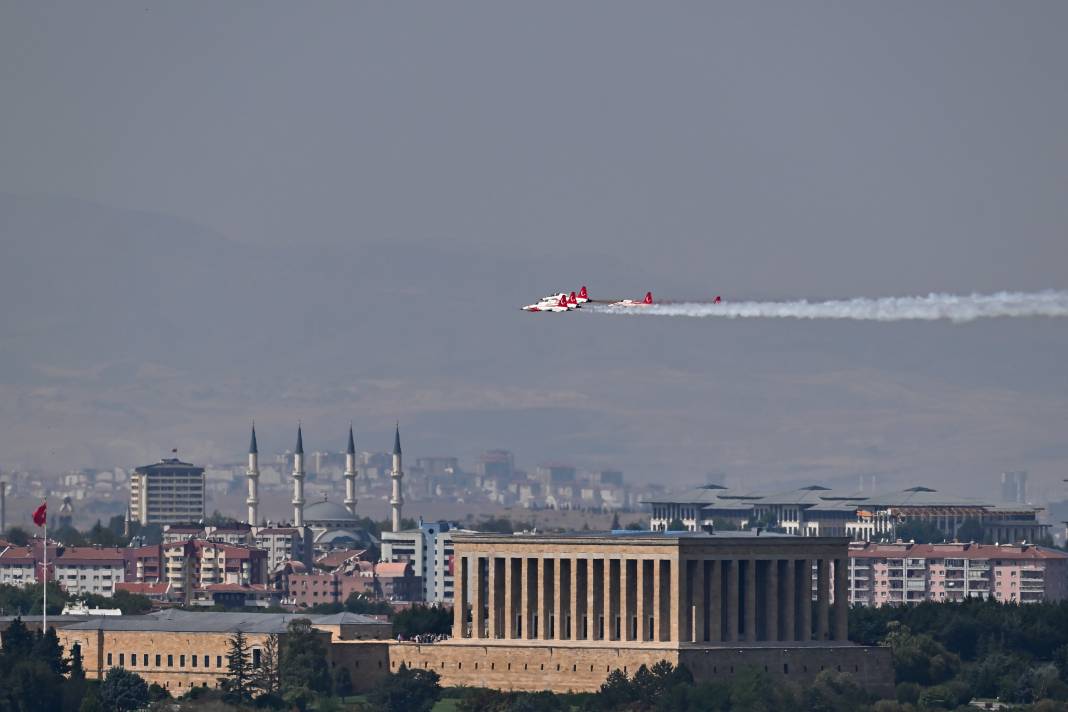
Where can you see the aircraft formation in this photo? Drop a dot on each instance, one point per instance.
(564, 302)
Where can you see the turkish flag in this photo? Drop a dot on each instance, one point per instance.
(40, 515)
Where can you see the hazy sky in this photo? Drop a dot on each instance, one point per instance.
(216, 211)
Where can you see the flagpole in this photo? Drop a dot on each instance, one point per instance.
(44, 588)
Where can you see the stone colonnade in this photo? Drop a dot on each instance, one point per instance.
(600, 597)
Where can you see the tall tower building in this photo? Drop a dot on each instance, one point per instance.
(253, 474)
(397, 501)
(350, 474)
(298, 481)
(168, 492)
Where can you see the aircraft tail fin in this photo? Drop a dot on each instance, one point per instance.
(571, 299)
(648, 298)
(562, 302)
(582, 293)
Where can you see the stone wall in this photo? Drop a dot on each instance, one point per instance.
(582, 668)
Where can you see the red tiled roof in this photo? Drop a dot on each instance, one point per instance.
(234, 588)
(956, 551)
(145, 589)
(91, 554)
(392, 569)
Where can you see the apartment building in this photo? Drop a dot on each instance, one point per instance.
(428, 548)
(90, 569)
(882, 574)
(167, 492)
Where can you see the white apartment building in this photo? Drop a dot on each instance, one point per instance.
(429, 550)
(90, 570)
(168, 492)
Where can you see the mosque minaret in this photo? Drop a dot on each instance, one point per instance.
(350, 474)
(397, 501)
(298, 481)
(253, 475)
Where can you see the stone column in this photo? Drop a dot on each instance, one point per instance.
(733, 599)
(545, 597)
(750, 622)
(477, 602)
(804, 599)
(641, 601)
(841, 599)
(525, 607)
(508, 613)
(575, 608)
(626, 599)
(679, 600)
(494, 602)
(789, 601)
(610, 588)
(459, 607)
(823, 598)
(715, 602)
(559, 599)
(699, 593)
(593, 600)
(771, 602)
(658, 605)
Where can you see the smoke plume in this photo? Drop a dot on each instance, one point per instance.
(952, 307)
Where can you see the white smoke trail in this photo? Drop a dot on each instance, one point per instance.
(955, 308)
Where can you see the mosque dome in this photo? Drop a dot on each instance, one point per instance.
(327, 511)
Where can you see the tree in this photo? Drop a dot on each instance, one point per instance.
(157, 693)
(676, 525)
(303, 665)
(77, 667)
(359, 603)
(342, 681)
(91, 701)
(419, 620)
(615, 521)
(971, 529)
(18, 641)
(123, 690)
(46, 648)
(635, 526)
(407, 691)
(17, 536)
(919, 531)
(238, 680)
(266, 677)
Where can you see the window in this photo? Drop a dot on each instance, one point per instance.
(218, 661)
(170, 661)
(181, 661)
(109, 659)
(194, 660)
(133, 659)
(207, 661)
(144, 660)
(157, 660)
(122, 660)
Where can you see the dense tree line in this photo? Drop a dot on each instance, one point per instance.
(26, 600)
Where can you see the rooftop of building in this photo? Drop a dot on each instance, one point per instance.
(957, 550)
(168, 466)
(817, 496)
(631, 536)
(173, 620)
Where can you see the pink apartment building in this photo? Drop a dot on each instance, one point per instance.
(881, 574)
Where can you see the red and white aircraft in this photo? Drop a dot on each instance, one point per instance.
(632, 303)
(560, 305)
(583, 295)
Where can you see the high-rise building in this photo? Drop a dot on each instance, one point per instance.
(1014, 487)
(168, 492)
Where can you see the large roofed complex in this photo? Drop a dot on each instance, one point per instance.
(814, 510)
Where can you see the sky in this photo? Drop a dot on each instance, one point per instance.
(211, 213)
